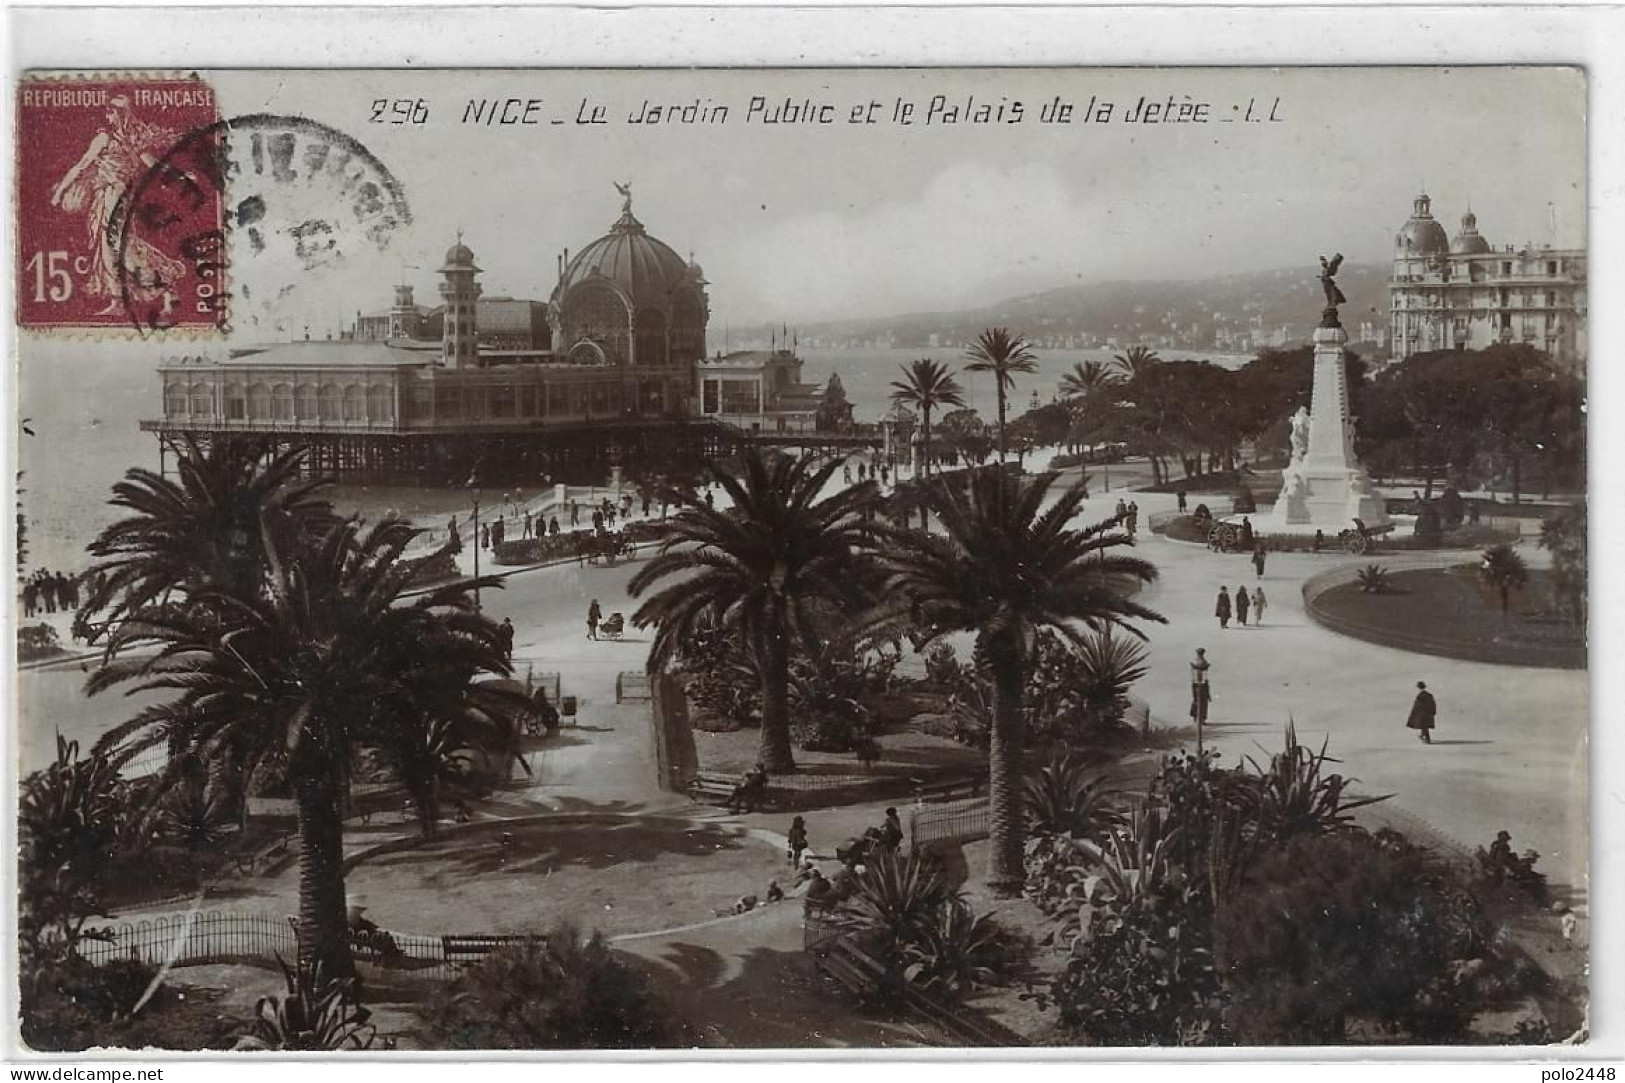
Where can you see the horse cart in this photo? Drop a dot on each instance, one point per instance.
(1361, 539)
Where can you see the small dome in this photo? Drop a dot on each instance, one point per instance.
(1469, 242)
(459, 257)
(1422, 235)
(645, 268)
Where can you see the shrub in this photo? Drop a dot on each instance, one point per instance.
(1067, 796)
(438, 567)
(1202, 513)
(1373, 579)
(67, 1002)
(557, 992)
(1564, 536)
(1503, 571)
(942, 665)
(69, 822)
(318, 1014)
(1500, 865)
(1293, 796)
(36, 641)
(963, 951)
(1331, 928)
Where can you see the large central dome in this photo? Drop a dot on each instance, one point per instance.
(643, 267)
(1422, 235)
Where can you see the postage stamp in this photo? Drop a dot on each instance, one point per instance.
(84, 147)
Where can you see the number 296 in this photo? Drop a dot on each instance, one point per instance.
(399, 111)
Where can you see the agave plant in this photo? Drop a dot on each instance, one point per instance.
(1374, 579)
(894, 901)
(961, 951)
(1068, 796)
(1136, 861)
(318, 1014)
(1110, 665)
(1295, 796)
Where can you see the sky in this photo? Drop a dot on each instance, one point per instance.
(797, 222)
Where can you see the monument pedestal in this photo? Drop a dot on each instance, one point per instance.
(1325, 487)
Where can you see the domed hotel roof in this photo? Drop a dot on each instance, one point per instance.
(1469, 242)
(459, 257)
(1422, 235)
(643, 267)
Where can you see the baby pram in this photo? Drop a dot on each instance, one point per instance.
(613, 627)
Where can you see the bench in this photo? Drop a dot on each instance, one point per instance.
(473, 948)
(718, 789)
(861, 975)
(947, 789)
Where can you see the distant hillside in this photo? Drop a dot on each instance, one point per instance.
(1229, 313)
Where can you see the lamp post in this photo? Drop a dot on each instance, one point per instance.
(474, 484)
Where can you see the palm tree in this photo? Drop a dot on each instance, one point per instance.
(1005, 568)
(1136, 360)
(328, 661)
(1086, 387)
(1003, 354)
(204, 530)
(758, 569)
(925, 386)
(1503, 571)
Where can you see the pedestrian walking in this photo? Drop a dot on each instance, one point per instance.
(1179, 494)
(1423, 712)
(1246, 539)
(1259, 602)
(846, 474)
(485, 535)
(797, 840)
(597, 521)
(1122, 509)
(499, 531)
(1258, 559)
(506, 632)
(1320, 539)
(1133, 518)
(1243, 603)
(1221, 607)
(552, 526)
(30, 597)
(593, 616)
(646, 502)
(69, 589)
(530, 525)
(710, 500)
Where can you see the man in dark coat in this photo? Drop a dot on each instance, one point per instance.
(1423, 711)
(1221, 608)
(1258, 559)
(1242, 602)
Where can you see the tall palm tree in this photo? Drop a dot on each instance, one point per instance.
(329, 660)
(925, 386)
(1135, 360)
(758, 569)
(1005, 567)
(1003, 354)
(1087, 386)
(202, 531)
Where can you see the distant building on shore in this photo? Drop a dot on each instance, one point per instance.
(610, 368)
(1463, 293)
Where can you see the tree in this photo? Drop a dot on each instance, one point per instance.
(1004, 355)
(1136, 360)
(926, 385)
(758, 569)
(1086, 391)
(206, 530)
(964, 435)
(330, 660)
(834, 411)
(1564, 536)
(1006, 567)
(1503, 571)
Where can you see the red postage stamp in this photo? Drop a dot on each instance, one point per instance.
(94, 249)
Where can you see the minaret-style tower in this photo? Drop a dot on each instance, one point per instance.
(460, 347)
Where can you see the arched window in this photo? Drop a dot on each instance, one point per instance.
(596, 311)
(202, 400)
(687, 335)
(328, 407)
(380, 404)
(174, 400)
(259, 401)
(236, 405)
(282, 402)
(305, 402)
(355, 403)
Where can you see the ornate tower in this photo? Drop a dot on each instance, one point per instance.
(403, 315)
(459, 346)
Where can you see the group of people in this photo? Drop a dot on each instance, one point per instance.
(1246, 604)
(49, 591)
(1129, 515)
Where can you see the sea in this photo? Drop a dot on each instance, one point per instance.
(86, 435)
